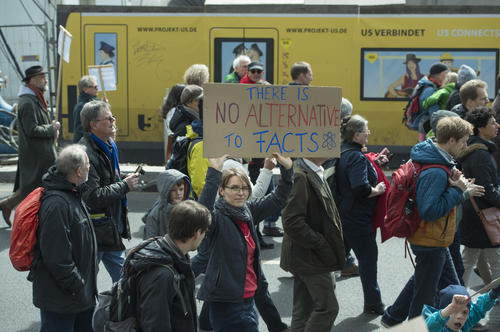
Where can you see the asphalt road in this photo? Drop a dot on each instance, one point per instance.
(17, 312)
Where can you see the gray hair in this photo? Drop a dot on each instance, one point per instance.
(70, 158)
(86, 81)
(237, 61)
(345, 108)
(91, 111)
(197, 74)
(352, 125)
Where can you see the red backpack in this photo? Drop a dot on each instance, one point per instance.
(412, 108)
(402, 218)
(23, 236)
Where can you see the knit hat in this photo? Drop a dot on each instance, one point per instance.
(437, 68)
(446, 295)
(438, 115)
(190, 93)
(466, 74)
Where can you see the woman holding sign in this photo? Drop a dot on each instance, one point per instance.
(234, 273)
(357, 184)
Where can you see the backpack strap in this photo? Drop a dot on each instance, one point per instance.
(177, 286)
(125, 268)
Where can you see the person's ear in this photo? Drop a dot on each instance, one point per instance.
(221, 192)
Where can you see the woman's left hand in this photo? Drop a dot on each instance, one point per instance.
(286, 162)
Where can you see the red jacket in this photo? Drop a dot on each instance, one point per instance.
(246, 80)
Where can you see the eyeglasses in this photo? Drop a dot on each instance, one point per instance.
(236, 189)
(93, 86)
(256, 71)
(109, 118)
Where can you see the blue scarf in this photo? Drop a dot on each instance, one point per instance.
(112, 156)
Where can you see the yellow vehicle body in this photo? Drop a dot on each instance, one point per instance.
(362, 54)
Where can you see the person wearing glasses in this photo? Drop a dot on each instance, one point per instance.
(234, 274)
(255, 74)
(87, 85)
(105, 191)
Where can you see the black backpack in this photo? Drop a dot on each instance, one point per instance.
(116, 308)
(181, 149)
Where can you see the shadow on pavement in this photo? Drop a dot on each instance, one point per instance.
(33, 328)
(4, 238)
(360, 323)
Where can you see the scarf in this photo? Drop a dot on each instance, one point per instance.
(112, 155)
(39, 95)
(241, 213)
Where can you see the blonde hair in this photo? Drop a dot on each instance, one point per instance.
(452, 127)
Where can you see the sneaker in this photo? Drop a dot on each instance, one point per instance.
(374, 309)
(266, 245)
(479, 327)
(350, 271)
(272, 231)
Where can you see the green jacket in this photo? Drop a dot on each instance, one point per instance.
(232, 78)
(441, 96)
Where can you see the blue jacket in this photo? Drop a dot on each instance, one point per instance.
(434, 197)
(356, 175)
(429, 89)
(478, 309)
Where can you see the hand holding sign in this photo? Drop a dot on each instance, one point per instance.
(286, 162)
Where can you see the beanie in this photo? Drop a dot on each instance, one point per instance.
(446, 295)
(466, 74)
(437, 68)
(190, 93)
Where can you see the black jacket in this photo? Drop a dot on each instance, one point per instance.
(454, 98)
(103, 194)
(78, 132)
(182, 117)
(64, 271)
(460, 110)
(477, 162)
(159, 306)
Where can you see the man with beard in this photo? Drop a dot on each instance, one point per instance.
(105, 191)
(37, 134)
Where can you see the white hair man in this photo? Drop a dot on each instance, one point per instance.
(240, 65)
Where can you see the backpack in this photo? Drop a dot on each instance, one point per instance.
(23, 236)
(402, 218)
(412, 108)
(180, 150)
(116, 308)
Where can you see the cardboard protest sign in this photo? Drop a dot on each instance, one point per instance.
(416, 324)
(105, 75)
(246, 120)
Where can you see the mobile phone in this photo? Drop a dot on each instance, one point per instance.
(138, 169)
(390, 155)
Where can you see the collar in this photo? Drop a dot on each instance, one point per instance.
(319, 170)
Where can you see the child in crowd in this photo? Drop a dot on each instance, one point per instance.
(174, 187)
(442, 95)
(456, 313)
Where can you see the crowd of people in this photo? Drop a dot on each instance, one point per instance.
(329, 208)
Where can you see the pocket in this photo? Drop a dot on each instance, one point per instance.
(105, 231)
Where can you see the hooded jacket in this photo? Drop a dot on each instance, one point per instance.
(428, 89)
(157, 220)
(477, 162)
(64, 272)
(183, 116)
(435, 199)
(159, 306)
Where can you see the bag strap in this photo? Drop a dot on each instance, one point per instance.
(177, 281)
(475, 206)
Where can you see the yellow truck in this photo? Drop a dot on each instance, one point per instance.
(376, 56)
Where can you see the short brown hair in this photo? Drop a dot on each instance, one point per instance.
(452, 127)
(186, 218)
(229, 173)
(469, 90)
(298, 68)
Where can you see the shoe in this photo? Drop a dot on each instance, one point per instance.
(272, 231)
(6, 212)
(266, 245)
(350, 271)
(374, 309)
(385, 324)
(479, 327)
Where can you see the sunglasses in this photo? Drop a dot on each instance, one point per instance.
(256, 71)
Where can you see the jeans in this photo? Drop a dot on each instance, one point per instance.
(315, 304)
(366, 250)
(80, 322)
(113, 262)
(265, 306)
(431, 265)
(456, 257)
(234, 317)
